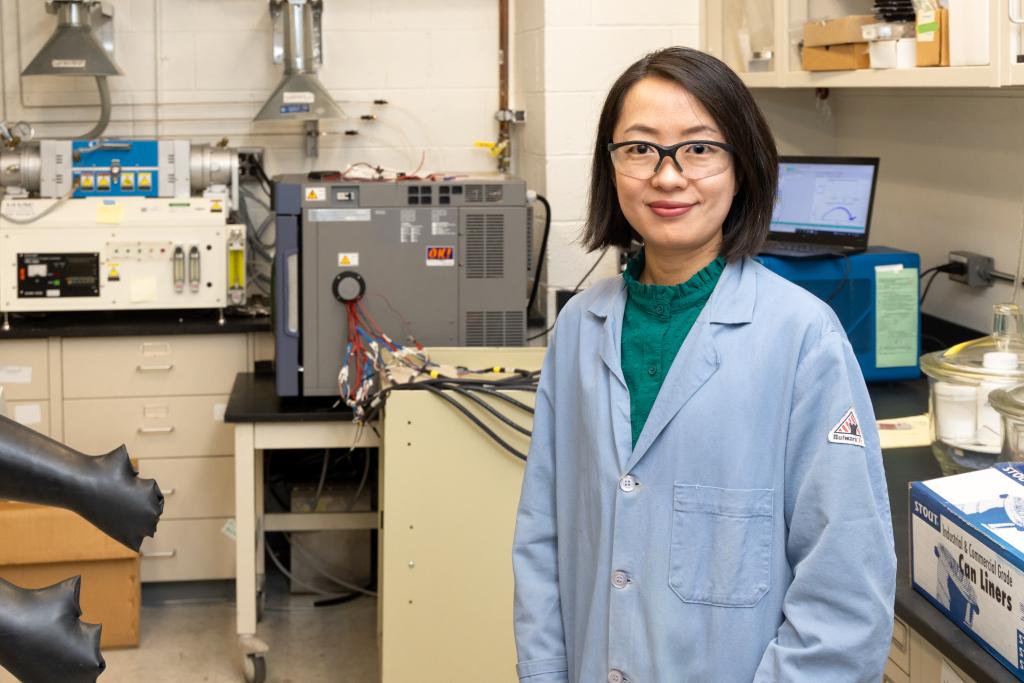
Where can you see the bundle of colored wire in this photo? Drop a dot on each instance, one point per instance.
(371, 356)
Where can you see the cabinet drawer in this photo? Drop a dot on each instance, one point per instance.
(188, 550)
(24, 369)
(161, 427)
(33, 414)
(894, 674)
(193, 488)
(143, 366)
(899, 651)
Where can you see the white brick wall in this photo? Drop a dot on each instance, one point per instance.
(435, 62)
(565, 63)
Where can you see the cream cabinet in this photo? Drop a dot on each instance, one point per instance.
(164, 398)
(912, 659)
(760, 40)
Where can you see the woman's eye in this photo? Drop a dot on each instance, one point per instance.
(700, 149)
(639, 149)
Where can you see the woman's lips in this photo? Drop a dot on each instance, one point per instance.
(669, 209)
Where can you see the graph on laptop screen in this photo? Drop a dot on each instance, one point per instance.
(823, 199)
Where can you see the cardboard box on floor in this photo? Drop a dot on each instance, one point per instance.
(43, 546)
(836, 31)
(836, 57)
(933, 38)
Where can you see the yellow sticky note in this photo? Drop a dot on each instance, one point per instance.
(110, 213)
(143, 290)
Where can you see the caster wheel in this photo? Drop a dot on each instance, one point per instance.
(255, 669)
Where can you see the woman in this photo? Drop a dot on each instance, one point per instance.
(704, 498)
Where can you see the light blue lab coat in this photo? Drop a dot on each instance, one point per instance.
(736, 542)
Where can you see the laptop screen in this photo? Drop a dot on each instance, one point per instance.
(824, 200)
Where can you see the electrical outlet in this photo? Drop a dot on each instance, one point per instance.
(977, 269)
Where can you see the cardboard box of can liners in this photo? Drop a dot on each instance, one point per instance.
(967, 555)
(43, 546)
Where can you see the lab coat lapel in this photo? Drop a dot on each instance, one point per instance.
(612, 311)
(695, 363)
(732, 303)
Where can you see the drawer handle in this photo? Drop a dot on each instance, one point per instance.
(160, 555)
(900, 642)
(156, 368)
(156, 430)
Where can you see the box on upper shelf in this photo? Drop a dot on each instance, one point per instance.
(836, 31)
(933, 38)
(836, 57)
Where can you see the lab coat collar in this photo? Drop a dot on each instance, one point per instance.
(732, 302)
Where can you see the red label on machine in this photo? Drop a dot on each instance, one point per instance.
(441, 256)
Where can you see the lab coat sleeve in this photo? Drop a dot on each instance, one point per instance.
(540, 637)
(838, 609)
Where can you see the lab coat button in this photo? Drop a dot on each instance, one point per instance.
(616, 676)
(627, 483)
(652, 370)
(620, 579)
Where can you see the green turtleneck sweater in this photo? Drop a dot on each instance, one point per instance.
(656, 322)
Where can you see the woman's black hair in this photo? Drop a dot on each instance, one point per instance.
(721, 92)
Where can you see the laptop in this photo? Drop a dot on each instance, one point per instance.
(823, 206)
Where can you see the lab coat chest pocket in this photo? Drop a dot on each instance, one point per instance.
(721, 545)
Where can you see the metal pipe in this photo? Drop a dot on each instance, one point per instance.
(21, 167)
(298, 38)
(504, 126)
(72, 13)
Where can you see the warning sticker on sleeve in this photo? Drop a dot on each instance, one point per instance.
(847, 431)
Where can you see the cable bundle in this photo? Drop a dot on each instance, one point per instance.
(372, 359)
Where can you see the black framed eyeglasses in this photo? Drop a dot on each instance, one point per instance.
(694, 159)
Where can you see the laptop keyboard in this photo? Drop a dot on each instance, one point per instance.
(798, 248)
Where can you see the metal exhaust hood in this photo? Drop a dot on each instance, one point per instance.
(75, 49)
(298, 45)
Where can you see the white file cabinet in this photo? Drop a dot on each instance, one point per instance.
(912, 659)
(163, 397)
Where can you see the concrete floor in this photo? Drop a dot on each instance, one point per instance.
(197, 643)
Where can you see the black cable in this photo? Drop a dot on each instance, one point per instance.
(575, 290)
(474, 419)
(928, 286)
(843, 282)
(543, 252)
(503, 397)
(492, 410)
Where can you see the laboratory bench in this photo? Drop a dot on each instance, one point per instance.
(923, 637)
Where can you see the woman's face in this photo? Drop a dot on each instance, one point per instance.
(670, 211)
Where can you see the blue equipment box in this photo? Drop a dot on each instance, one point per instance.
(850, 285)
(122, 168)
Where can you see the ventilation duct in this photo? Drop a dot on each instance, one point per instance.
(298, 45)
(75, 49)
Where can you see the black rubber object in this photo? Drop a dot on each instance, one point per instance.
(341, 279)
(41, 637)
(105, 490)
